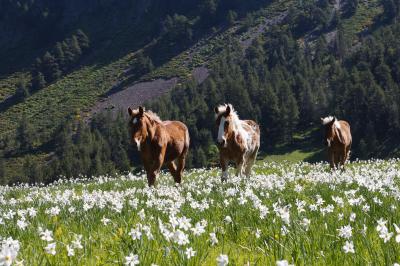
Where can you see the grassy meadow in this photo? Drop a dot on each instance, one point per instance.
(285, 213)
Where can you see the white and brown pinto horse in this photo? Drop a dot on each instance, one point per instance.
(159, 142)
(338, 140)
(238, 141)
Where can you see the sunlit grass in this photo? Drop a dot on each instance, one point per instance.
(257, 220)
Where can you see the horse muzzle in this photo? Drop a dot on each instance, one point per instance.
(137, 143)
(221, 142)
(327, 142)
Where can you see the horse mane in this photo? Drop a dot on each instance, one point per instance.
(327, 120)
(237, 124)
(153, 116)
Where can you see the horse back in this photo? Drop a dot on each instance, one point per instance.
(177, 139)
(345, 132)
(254, 131)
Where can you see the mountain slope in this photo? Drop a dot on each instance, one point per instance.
(135, 45)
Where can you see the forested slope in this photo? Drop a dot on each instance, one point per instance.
(282, 63)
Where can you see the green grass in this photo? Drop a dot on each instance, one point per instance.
(292, 156)
(275, 187)
(367, 11)
(8, 83)
(305, 146)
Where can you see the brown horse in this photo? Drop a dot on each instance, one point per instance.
(238, 141)
(338, 140)
(159, 142)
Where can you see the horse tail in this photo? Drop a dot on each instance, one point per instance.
(187, 138)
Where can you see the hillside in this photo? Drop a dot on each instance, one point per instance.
(300, 214)
(138, 51)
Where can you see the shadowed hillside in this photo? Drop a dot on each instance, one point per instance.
(282, 63)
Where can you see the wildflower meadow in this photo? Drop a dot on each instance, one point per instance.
(284, 214)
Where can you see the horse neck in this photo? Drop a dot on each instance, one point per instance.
(237, 127)
(151, 126)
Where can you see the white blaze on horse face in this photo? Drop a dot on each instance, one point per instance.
(221, 130)
(135, 120)
(137, 141)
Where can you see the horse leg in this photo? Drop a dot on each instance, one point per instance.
(250, 163)
(240, 166)
(224, 167)
(343, 157)
(158, 162)
(151, 178)
(347, 153)
(179, 169)
(172, 169)
(337, 157)
(331, 158)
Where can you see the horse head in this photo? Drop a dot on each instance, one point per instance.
(224, 122)
(138, 125)
(328, 123)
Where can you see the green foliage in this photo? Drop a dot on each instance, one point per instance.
(289, 76)
(22, 92)
(63, 58)
(283, 88)
(25, 135)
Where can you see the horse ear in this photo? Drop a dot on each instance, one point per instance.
(141, 110)
(228, 109)
(216, 110)
(130, 112)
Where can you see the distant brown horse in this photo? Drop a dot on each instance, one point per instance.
(159, 142)
(338, 140)
(238, 141)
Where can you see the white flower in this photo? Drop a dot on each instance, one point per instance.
(32, 212)
(76, 243)
(213, 238)
(381, 225)
(283, 263)
(184, 223)
(222, 260)
(305, 223)
(190, 253)
(257, 233)
(22, 224)
(348, 247)
(364, 230)
(366, 208)
(9, 251)
(385, 235)
(70, 251)
(180, 238)
(298, 188)
(228, 219)
(136, 234)
(345, 231)
(198, 229)
(132, 260)
(105, 220)
(53, 211)
(51, 249)
(142, 215)
(46, 235)
(352, 217)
